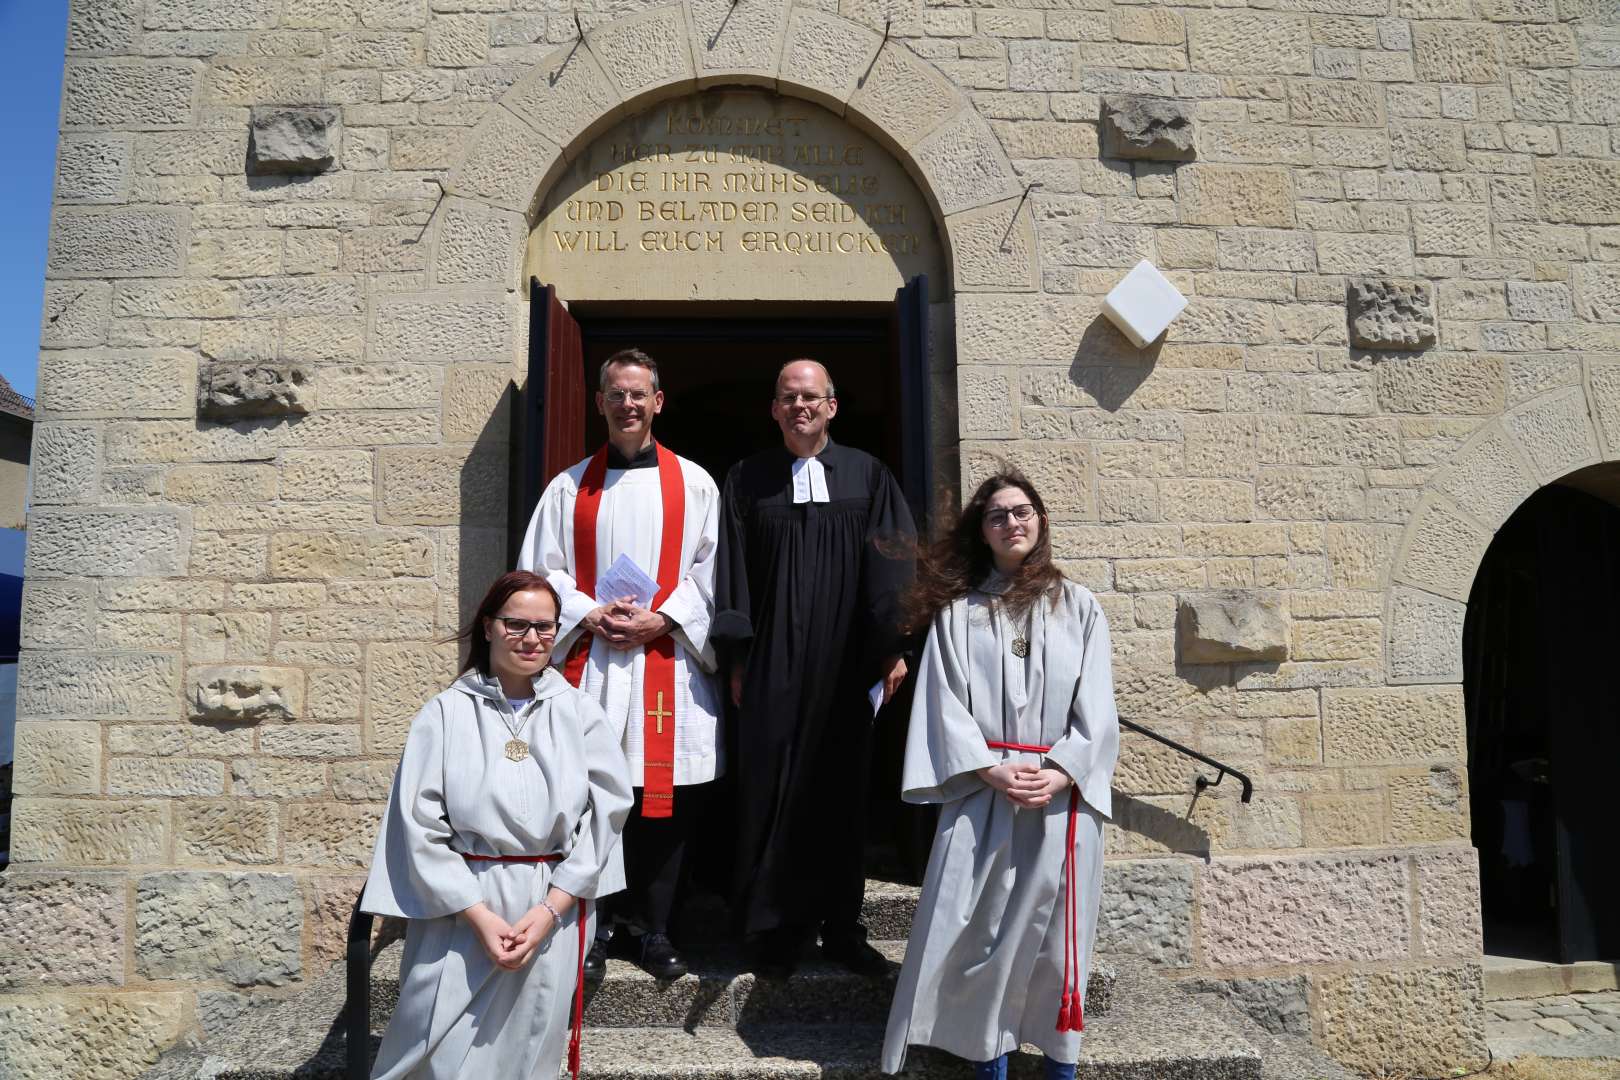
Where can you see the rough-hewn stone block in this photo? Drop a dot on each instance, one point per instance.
(645, 51)
(240, 928)
(1266, 43)
(1388, 314)
(116, 383)
(166, 777)
(1584, 192)
(88, 833)
(1153, 129)
(1392, 726)
(128, 93)
(1556, 433)
(1456, 52)
(1425, 638)
(112, 1035)
(116, 242)
(904, 97)
(1452, 384)
(731, 44)
(399, 678)
(238, 832)
(292, 140)
(1147, 910)
(105, 543)
(59, 757)
(328, 834)
(1235, 195)
(75, 685)
(228, 391)
(1430, 1019)
(61, 929)
(1306, 910)
(1230, 626)
(826, 55)
(243, 693)
(965, 164)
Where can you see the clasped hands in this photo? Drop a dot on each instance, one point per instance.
(510, 945)
(1024, 785)
(625, 626)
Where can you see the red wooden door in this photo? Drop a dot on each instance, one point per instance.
(555, 397)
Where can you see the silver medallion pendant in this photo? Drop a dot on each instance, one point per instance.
(1020, 647)
(516, 750)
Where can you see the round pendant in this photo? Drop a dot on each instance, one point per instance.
(1020, 647)
(517, 750)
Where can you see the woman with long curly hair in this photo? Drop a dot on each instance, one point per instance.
(1014, 734)
(509, 799)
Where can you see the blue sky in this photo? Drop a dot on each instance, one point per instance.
(32, 33)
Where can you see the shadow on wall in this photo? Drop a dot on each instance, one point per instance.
(1177, 832)
(1108, 368)
(485, 549)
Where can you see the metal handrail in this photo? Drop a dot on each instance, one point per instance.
(1203, 781)
(357, 996)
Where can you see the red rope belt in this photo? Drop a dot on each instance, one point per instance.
(1071, 1007)
(576, 1037)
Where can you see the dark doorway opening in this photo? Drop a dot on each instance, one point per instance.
(717, 367)
(1540, 647)
(718, 374)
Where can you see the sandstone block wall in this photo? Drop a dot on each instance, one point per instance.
(228, 624)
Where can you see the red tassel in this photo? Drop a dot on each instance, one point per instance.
(573, 1057)
(1063, 1023)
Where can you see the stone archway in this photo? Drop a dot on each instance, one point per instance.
(1505, 462)
(873, 81)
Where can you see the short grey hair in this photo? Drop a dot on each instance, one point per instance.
(832, 391)
(632, 357)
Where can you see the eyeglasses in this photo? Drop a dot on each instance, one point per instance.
(997, 519)
(619, 397)
(518, 629)
(787, 401)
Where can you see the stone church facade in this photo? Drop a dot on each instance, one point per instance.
(288, 310)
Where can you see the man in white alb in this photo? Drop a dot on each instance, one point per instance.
(629, 538)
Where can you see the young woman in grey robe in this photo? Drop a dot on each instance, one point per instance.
(509, 799)
(1014, 734)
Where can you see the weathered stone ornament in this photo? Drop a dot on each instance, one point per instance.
(1386, 313)
(1143, 304)
(1231, 625)
(1147, 129)
(240, 693)
(292, 139)
(228, 391)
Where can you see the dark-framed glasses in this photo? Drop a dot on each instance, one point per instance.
(634, 397)
(788, 401)
(518, 629)
(997, 519)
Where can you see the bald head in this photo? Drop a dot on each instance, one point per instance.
(798, 371)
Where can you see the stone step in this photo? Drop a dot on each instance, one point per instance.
(886, 911)
(719, 991)
(1155, 1032)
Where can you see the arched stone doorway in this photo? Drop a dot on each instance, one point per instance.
(1499, 587)
(1539, 646)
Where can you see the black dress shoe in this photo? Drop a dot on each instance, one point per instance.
(596, 959)
(659, 958)
(856, 955)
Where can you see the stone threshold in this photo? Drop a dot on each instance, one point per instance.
(1508, 977)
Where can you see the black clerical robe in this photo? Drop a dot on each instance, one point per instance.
(808, 595)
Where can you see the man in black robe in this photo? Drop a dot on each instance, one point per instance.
(816, 547)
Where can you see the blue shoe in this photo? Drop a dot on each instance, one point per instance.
(991, 1070)
(1056, 1070)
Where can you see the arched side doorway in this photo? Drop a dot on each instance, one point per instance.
(1540, 646)
(1506, 583)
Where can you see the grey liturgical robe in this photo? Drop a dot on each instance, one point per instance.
(458, 1014)
(984, 966)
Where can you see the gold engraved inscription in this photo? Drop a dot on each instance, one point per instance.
(772, 182)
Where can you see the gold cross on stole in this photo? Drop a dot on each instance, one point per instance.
(658, 713)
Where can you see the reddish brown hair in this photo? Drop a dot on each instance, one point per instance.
(959, 560)
(513, 581)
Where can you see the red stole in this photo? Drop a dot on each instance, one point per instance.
(658, 679)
